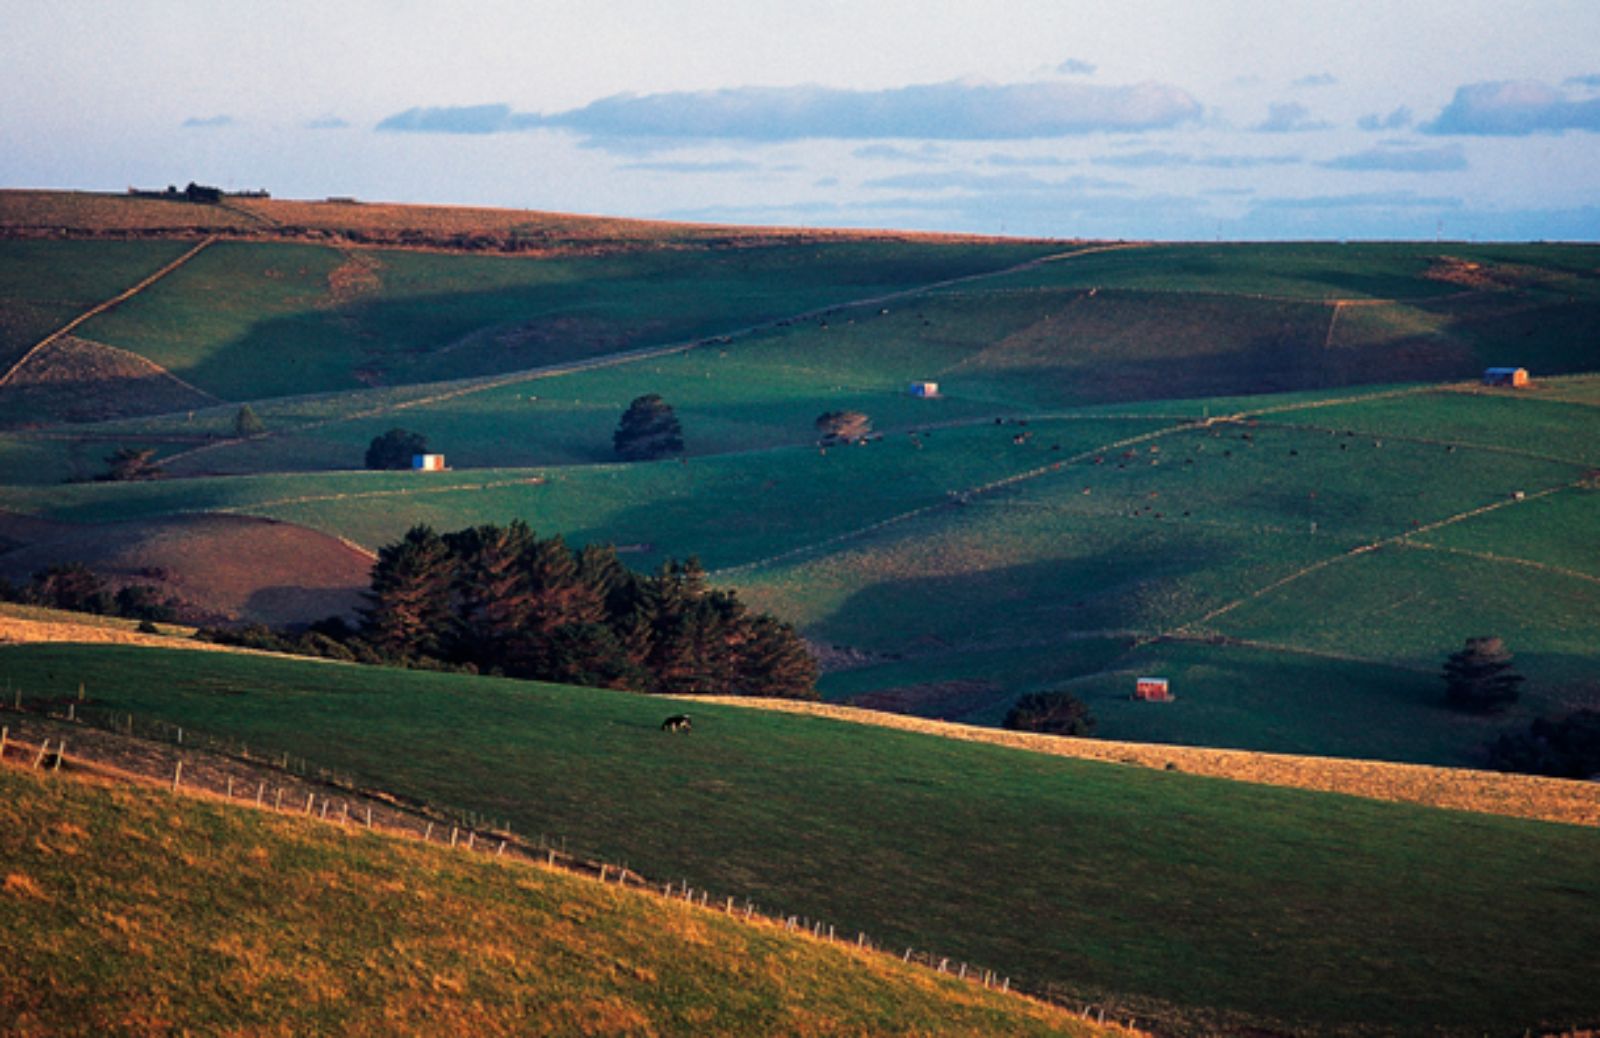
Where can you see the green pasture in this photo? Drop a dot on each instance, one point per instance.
(1516, 422)
(1196, 898)
(47, 283)
(130, 911)
(1555, 531)
(1315, 270)
(249, 321)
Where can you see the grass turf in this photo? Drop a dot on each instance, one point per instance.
(1283, 908)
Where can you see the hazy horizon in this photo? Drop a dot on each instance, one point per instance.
(1238, 120)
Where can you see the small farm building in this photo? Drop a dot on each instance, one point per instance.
(1505, 377)
(1152, 690)
(427, 462)
(924, 389)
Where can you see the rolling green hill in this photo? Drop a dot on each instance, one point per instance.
(129, 911)
(1299, 572)
(1204, 902)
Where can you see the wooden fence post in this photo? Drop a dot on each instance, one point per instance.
(177, 776)
(369, 816)
(61, 752)
(427, 833)
(452, 836)
(277, 804)
(230, 787)
(502, 849)
(261, 793)
(4, 731)
(44, 747)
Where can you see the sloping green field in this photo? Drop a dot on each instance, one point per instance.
(1203, 901)
(1131, 530)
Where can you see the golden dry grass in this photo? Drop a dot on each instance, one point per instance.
(31, 213)
(136, 913)
(1460, 789)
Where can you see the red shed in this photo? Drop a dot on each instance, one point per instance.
(1152, 690)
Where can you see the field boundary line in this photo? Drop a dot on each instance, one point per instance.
(485, 383)
(1506, 559)
(495, 844)
(1567, 801)
(145, 363)
(1189, 627)
(961, 497)
(398, 492)
(101, 308)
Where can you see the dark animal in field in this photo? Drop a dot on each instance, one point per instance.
(676, 723)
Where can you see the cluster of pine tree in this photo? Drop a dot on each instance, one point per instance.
(503, 600)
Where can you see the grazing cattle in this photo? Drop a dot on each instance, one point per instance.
(676, 723)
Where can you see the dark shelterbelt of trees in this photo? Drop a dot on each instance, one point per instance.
(500, 599)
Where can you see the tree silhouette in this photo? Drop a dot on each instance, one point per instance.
(648, 429)
(842, 426)
(246, 423)
(1479, 678)
(1054, 713)
(395, 449)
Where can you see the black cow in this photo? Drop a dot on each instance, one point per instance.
(676, 723)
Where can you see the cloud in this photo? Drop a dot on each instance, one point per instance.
(1368, 200)
(1156, 159)
(895, 153)
(963, 180)
(327, 122)
(1028, 161)
(724, 166)
(1398, 119)
(939, 111)
(1318, 79)
(196, 122)
(1591, 82)
(1075, 67)
(1402, 159)
(469, 119)
(1289, 117)
(1514, 109)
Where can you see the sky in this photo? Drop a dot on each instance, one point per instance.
(1147, 119)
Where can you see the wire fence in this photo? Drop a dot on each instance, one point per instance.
(204, 764)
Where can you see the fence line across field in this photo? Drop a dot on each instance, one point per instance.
(414, 824)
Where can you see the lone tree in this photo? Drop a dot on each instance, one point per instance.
(394, 449)
(842, 427)
(1054, 713)
(130, 463)
(1479, 678)
(247, 423)
(648, 429)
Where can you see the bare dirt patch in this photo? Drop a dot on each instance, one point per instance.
(78, 380)
(224, 567)
(1454, 270)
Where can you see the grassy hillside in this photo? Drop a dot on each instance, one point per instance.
(132, 912)
(1230, 556)
(1300, 574)
(1202, 899)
